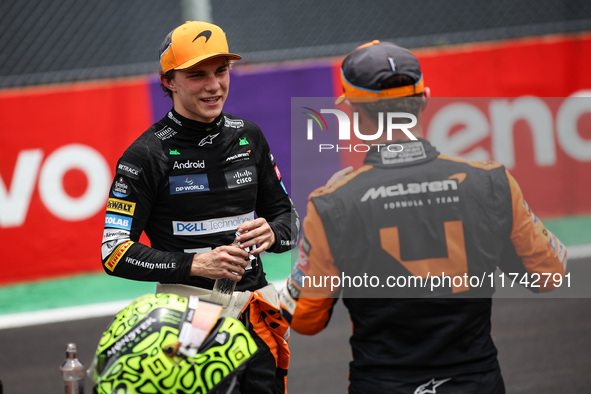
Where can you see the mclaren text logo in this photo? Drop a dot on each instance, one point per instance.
(239, 156)
(400, 189)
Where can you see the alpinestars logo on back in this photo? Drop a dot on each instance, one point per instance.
(431, 386)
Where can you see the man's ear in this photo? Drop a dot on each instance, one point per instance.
(168, 83)
(426, 97)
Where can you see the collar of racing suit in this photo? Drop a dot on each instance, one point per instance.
(179, 122)
(401, 153)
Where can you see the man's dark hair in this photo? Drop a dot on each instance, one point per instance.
(168, 75)
(410, 104)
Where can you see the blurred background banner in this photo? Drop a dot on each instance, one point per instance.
(78, 83)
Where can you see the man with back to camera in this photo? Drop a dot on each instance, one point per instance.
(191, 181)
(406, 214)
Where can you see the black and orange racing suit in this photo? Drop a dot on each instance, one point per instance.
(189, 185)
(386, 236)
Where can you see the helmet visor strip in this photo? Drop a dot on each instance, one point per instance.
(198, 320)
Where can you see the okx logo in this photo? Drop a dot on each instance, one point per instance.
(387, 122)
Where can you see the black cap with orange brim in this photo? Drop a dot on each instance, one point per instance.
(364, 70)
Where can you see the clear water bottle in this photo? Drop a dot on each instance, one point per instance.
(224, 288)
(222, 291)
(72, 371)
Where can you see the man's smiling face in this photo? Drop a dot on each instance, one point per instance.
(199, 93)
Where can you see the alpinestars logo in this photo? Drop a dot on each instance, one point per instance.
(208, 139)
(431, 386)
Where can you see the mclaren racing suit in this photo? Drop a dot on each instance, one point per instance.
(188, 185)
(411, 241)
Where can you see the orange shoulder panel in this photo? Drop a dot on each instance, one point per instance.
(332, 187)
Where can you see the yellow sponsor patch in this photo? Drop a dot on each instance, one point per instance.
(120, 206)
(117, 254)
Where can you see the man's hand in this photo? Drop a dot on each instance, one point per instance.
(256, 232)
(226, 261)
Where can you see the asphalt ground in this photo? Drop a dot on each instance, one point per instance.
(544, 345)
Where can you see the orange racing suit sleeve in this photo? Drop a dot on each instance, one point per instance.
(538, 250)
(309, 296)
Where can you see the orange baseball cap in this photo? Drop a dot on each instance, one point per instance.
(191, 43)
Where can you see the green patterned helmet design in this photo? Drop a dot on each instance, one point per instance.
(138, 352)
